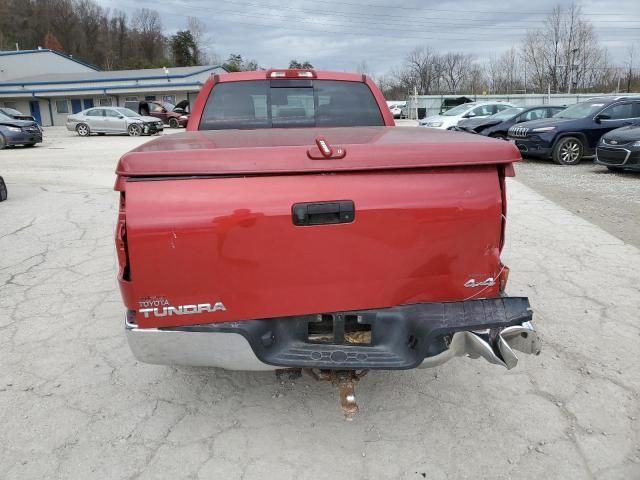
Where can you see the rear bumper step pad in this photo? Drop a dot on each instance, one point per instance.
(400, 337)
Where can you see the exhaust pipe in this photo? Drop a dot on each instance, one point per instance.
(496, 347)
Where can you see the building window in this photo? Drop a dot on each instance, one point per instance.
(12, 105)
(105, 102)
(130, 99)
(149, 97)
(169, 98)
(62, 106)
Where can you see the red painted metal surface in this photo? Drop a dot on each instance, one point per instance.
(428, 218)
(234, 152)
(418, 236)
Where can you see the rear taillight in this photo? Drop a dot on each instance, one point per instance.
(121, 242)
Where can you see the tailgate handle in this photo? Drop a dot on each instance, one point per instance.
(323, 213)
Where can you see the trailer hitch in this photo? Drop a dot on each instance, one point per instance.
(345, 380)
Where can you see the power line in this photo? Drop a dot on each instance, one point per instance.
(385, 25)
(404, 18)
(489, 12)
(367, 35)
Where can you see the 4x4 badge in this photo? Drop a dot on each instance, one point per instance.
(489, 282)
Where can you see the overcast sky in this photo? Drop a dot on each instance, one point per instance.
(338, 35)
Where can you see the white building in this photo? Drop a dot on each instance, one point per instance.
(50, 85)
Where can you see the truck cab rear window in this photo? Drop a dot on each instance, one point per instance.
(290, 104)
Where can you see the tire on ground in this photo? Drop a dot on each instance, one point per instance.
(568, 151)
(83, 130)
(134, 130)
(3, 190)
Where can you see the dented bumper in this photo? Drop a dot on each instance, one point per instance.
(403, 337)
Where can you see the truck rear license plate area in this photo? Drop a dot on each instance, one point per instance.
(339, 329)
(389, 338)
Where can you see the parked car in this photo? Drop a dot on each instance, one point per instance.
(3, 190)
(173, 115)
(477, 125)
(103, 120)
(497, 125)
(619, 149)
(449, 103)
(249, 256)
(18, 132)
(574, 133)
(397, 109)
(449, 119)
(15, 114)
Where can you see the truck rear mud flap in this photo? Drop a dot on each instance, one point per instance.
(403, 337)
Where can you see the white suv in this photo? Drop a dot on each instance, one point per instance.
(450, 118)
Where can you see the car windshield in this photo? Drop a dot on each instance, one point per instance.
(4, 117)
(507, 114)
(11, 111)
(126, 112)
(459, 110)
(580, 110)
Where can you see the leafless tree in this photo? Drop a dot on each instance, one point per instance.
(422, 70)
(631, 51)
(563, 54)
(148, 27)
(455, 68)
(504, 73)
(198, 31)
(362, 67)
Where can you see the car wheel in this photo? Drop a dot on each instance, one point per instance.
(134, 130)
(83, 129)
(500, 136)
(616, 169)
(568, 151)
(173, 123)
(3, 142)
(3, 189)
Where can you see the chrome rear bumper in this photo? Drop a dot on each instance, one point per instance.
(499, 350)
(230, 351)
(492, 329)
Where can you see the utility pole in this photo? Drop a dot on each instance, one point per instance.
(631, 54)
(572, 56)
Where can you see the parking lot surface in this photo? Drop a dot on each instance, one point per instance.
(610, 200)
(75, 404)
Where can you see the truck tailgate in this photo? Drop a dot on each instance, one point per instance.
(417, 235)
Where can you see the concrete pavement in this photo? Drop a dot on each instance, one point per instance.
(75, 404)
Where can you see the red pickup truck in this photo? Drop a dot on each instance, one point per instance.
(299, 228)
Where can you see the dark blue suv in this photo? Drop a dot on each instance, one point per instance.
(574, 133)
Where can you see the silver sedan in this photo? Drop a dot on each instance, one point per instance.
(103, 120)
